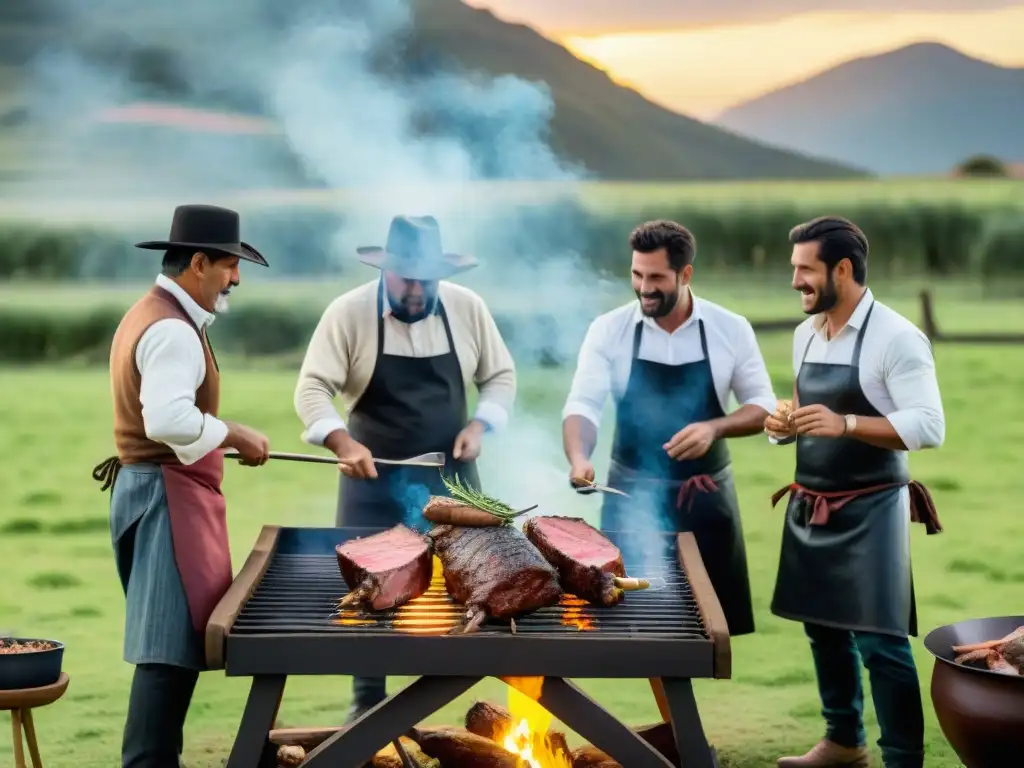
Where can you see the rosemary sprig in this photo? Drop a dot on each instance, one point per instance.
(474, 498)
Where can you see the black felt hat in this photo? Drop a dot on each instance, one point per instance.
(207, 228)
(414, 251)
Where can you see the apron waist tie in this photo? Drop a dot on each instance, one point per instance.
(106, 472)
(694, 484)
(824, 503)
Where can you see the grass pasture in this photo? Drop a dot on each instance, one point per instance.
(53, 530)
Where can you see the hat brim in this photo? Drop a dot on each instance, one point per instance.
(448, 265)
(243, 251)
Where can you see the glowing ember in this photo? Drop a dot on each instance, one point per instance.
(574, 613)
(528, 739)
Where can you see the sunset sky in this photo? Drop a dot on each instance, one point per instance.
(700, 57)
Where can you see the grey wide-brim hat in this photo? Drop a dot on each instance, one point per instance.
(414, 251)
(206, 228)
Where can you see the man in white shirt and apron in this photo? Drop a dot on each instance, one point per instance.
(402, 351)
(865, 394)
(671, 361)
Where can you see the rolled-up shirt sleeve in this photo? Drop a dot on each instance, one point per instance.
(495, 374)
(909, 375)
(751, 383)
(592, 381)
(322, 376)
(172, 365)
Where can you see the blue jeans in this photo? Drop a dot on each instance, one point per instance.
(895, 691)
(367, 692)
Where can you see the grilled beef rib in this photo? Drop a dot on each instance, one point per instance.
(587, 562)
(387, 569)
(494, 572)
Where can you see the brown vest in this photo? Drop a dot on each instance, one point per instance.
(133, 446)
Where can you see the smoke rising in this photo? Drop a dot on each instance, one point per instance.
(353, 101)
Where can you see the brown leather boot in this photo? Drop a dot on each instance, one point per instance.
(828, 754)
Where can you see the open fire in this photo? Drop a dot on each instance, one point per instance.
(528, 736)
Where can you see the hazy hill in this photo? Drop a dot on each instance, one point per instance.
(613, 131)
(918, 109)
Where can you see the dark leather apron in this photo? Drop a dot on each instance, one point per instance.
(845, 558)
(412, 405)
(695, 495)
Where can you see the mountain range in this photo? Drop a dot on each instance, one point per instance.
(613, 131)
(920, 109)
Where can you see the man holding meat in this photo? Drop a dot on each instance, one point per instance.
(167, 514)
(671, 360)
(402, 351)
(865, 395)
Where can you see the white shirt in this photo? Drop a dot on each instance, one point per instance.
(897, 370)
(606, 357)
(172, 362)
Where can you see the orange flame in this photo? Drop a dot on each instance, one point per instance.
(528, 737)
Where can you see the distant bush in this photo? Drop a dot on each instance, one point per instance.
(982, 165)
(1001, 256)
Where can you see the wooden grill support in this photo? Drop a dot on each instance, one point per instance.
(355, 744)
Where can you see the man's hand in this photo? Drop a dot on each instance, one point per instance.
(692, 441)
(818, 421)
(780, 424)
(354, 458)
(252, 446)
(467, 444)
(581, 472)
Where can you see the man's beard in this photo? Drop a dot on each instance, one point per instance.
(400, 309)
(827, 298)
(666, 302)
(220, 306)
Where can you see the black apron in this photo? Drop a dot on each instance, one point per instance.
(676, 496)
(412, 405)
(852, 572)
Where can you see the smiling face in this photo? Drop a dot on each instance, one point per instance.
(812, 277)
(656, 284)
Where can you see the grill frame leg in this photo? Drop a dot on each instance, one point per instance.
(252, 747)
(393, 717)
(567, 702)
(691, 742)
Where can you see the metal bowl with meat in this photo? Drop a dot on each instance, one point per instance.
(29, 662)
(977, 688)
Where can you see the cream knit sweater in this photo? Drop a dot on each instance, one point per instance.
(343, 349)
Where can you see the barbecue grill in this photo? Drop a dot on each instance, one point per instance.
(279, 618)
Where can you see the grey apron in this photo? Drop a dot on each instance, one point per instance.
(845, 559)
(696, 495)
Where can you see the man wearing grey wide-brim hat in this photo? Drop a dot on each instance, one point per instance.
(402, 351)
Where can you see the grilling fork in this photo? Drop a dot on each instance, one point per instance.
(423, 460)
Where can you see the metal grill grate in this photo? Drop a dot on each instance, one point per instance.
(299, 591)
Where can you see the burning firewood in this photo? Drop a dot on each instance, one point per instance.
(1005, 655)
(658, 736)
(389, 757)
(458, 748)
(493, 721)
(589, 756)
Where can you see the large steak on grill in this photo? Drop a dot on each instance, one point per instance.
(386, 569)
(587, 562)
(494, 572)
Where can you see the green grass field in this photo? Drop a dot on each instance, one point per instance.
(61, 581)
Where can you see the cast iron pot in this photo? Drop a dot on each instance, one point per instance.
(981, 712)
(34, 669)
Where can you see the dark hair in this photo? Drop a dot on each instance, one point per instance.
(676, 239)
(176, 260)
(839, 239)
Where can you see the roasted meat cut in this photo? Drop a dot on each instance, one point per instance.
(587, 562)
(387, 569)
(494, 572)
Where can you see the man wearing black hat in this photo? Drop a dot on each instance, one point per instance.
(402, 351)
(167, 513)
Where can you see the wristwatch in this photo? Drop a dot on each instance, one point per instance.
(851, 423)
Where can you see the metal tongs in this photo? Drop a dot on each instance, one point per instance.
(435, 460)
(587, 487)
